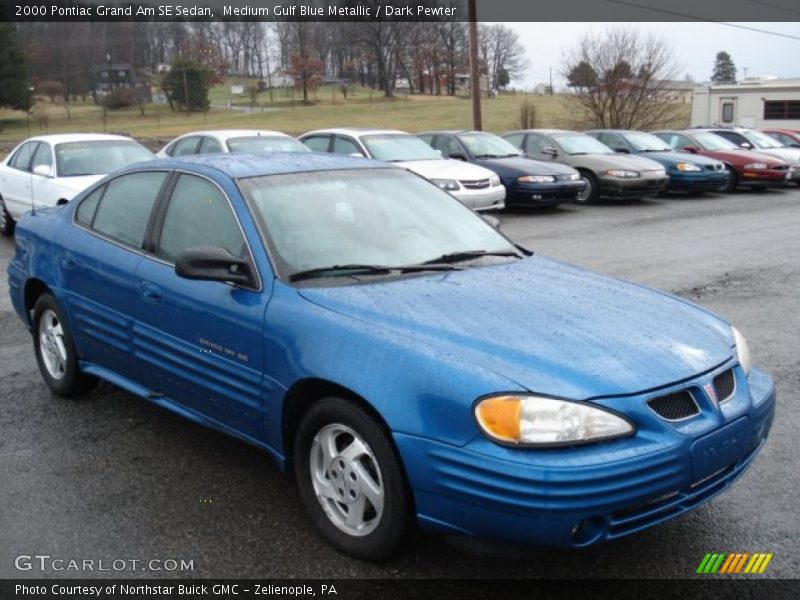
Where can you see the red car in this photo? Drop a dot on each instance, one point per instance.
(745, 167)
(787, 137)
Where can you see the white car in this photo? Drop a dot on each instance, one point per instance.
(237, 141)
(49, 170)
(477, 187)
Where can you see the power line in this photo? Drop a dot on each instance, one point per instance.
(776, 6)
(703, 19)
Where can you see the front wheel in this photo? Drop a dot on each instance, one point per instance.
(55, 350)
(590, 192)
(351, 481)
(6, 220)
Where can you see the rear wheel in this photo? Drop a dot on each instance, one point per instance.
(55, 350)
(351, 480)
(6, 220)
(733, 181)
(590, 193)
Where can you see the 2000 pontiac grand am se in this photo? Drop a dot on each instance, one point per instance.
(405, 359)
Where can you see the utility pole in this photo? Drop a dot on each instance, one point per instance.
(474, 68)
(551, 81)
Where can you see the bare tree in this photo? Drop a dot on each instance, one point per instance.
(621, 79)
(500, 50)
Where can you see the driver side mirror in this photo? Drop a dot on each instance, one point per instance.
(550, 151)
(746, 145)
(43, 170)
(622, 150)
(212, 263)
(457, 156)
(690, 149)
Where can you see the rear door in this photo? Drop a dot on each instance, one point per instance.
(97, 265)
(200, 343)
(15, 180)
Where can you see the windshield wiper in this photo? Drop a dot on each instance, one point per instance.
(356, 269)
(487, 156)
(468, 255)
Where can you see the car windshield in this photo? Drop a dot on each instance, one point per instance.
(646, 142)
(487, 145)
(580, 143)
(399, 147)
(379, 217)
(74, 159)
(258, 144)
(762, 140)
(711, 141)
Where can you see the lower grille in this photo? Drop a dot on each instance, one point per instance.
(724, 385)
(477, 184)
(675, 406)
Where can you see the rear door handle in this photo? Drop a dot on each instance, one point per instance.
(150, 291)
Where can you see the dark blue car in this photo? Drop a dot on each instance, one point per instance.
(686, 173)
(528, 183)
(408, 362)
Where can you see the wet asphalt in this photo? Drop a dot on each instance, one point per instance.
(111, 477)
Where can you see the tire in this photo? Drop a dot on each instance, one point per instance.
(733, 181)
(590, 194)
(344, 461)
(55, 350)
(6, 221)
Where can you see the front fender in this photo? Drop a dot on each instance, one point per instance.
(417, 389)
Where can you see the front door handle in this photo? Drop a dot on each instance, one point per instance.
(68, 262)
(150, 291)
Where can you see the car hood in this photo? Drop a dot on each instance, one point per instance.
(549, 327)
(446, 169)
(77, 184)
(613, 161)
(518, 166)
(790, 155)
(742, 157)
(673, 158)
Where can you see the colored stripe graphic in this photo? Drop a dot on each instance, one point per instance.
(732, 563)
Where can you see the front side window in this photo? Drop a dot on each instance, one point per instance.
(448, 145)
(343, 145)
(125, 207)
(536, 144)
(515, 139)
(198, 214)
(43, 156)
(210, 146)
(317, 143)
(185, 147)
(487, 145)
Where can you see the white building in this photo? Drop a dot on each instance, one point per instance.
(754, 103)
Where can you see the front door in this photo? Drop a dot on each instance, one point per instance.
(200, 343)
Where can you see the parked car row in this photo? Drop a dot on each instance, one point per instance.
(526, 168)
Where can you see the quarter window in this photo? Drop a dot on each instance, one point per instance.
(125, 208)
(199, 214)
(88, 206)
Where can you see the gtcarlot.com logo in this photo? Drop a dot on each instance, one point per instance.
(734, 563)
(46, 562)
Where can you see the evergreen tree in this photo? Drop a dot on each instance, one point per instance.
(14, 87)
(724, 69)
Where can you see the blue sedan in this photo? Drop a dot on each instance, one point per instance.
(409, 363)
(687, 173)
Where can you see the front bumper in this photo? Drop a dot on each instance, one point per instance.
(764, 177)
(543, 194)
(578, 496)
(622, 189)
(699, 182)
(487, 199)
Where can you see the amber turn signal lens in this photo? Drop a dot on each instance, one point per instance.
(499, 417)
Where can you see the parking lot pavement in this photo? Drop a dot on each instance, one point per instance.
(113, 477)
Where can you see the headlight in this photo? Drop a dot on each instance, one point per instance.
(621, 173)
(446, 184)
(536, 179)
(494, 180)
(539, 421)
(688, 167)
(574, 177)
(742, 350)
(756, 166)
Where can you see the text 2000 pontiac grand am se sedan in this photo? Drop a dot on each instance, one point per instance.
(406, 360)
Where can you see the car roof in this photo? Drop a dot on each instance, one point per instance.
(356, 131)
(449, 132)
(61, 138)
(241, 166)
(544, 131)
(229, 133)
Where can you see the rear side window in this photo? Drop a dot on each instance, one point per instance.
(343, 145)
(88, 206)
(125, 207)
(22, 157)
(199, 214)
(318, 143)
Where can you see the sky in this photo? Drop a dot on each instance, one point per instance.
(694, 44)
